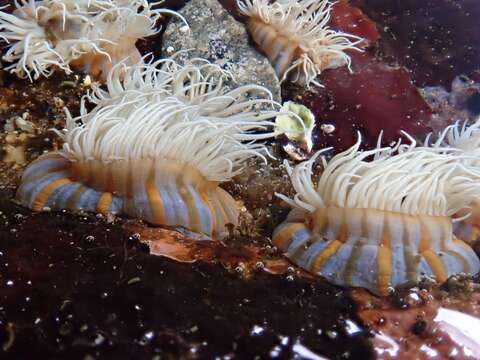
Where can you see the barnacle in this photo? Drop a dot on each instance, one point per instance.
(156, 147)
(295, 36)
(294, 129)
(380, 218)
(297, 129)
(89, 35)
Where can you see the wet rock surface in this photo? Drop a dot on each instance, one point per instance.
(216, 36)
(78, 286)
(458, 102)
(424, 322)
(27, 113)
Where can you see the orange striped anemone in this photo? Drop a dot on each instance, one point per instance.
(87, 35)
(295, 36)
(380, 218)
(156, 147)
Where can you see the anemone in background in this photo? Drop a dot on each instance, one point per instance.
(295, 36)
(87, 35)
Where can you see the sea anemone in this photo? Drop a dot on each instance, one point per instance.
(156, 147)
(466, 139)
(295, 36)
(460, 136)
(380, 218)
(87, 35)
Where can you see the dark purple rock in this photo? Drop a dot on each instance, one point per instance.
(435, 39)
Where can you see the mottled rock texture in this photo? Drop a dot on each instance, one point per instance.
(217, 36)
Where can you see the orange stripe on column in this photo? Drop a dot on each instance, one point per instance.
(318, 221)
(220, 213)
(424, 238)
(384, 276)
(44, 194)
(203, 192)
(284, 236)
(436, 265)
(325, 254)
(103, 204)
(384, 259)
(184, 191)
(343, 232)
(156, 203)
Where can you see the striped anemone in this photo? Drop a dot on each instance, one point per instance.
(466, 139)
(88, 35)
(380, 218)
(156, 146)
(296, 37)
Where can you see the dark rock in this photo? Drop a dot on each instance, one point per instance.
(64, 297)
(436, 40)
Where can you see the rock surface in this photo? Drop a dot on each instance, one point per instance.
(215, 35)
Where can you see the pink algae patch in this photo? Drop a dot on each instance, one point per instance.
(189, 247)
(352, 20)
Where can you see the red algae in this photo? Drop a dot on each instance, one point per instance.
(375, 97)
(352, 20)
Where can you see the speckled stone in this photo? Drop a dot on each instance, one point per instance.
(215, 35)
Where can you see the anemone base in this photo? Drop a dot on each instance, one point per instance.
(161, 192)
(374, 249)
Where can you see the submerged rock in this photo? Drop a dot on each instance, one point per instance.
(216, 36)
(458, 102)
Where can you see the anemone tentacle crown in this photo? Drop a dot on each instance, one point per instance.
(466, 139)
